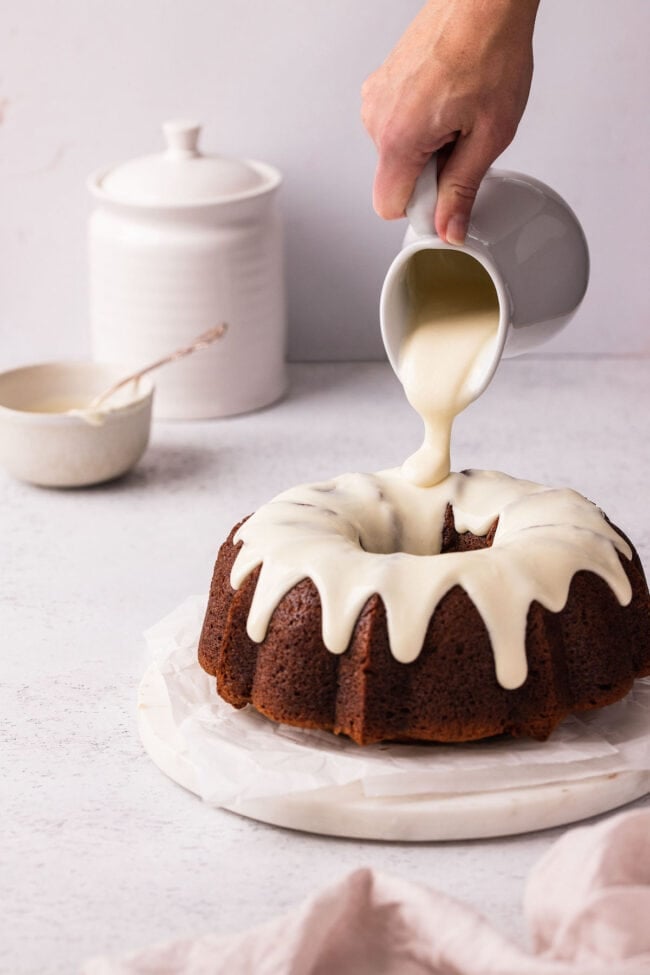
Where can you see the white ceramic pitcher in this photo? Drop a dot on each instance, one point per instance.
(529, 241)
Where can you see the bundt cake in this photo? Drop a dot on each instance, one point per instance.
(381, 610)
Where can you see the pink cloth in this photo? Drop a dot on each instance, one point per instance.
(587, 906)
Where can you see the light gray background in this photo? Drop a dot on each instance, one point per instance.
(85, 82)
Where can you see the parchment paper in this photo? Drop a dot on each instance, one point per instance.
(243, 755)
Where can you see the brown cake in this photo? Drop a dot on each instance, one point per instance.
(585, 630)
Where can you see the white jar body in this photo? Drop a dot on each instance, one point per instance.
(161, 276)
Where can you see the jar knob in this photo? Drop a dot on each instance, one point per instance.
(182, 137)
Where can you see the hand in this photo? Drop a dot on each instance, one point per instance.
(459, 77)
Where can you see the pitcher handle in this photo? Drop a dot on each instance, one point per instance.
(421, 208)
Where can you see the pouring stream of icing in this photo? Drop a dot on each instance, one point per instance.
(452, 332)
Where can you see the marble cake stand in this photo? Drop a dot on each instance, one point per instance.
(346, 811)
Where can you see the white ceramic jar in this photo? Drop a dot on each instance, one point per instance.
(179, 242)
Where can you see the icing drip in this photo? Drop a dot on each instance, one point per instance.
(450, 342)
(361, 534)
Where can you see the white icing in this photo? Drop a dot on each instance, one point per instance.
(361, 534)
(453, 321)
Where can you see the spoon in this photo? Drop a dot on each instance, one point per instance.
(92, 413)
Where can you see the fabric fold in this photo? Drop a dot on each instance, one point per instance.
(587, 906)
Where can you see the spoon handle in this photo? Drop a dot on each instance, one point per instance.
(201, 342)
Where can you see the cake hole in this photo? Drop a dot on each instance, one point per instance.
(459, 542)
(452, 541)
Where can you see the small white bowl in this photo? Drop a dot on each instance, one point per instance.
(42, 444)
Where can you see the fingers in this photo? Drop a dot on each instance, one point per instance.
(462, 164)
(458, 183)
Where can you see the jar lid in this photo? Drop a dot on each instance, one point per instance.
(181, 175)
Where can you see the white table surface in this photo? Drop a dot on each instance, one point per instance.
(100, 852)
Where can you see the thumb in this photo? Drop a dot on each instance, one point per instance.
(458, 184)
